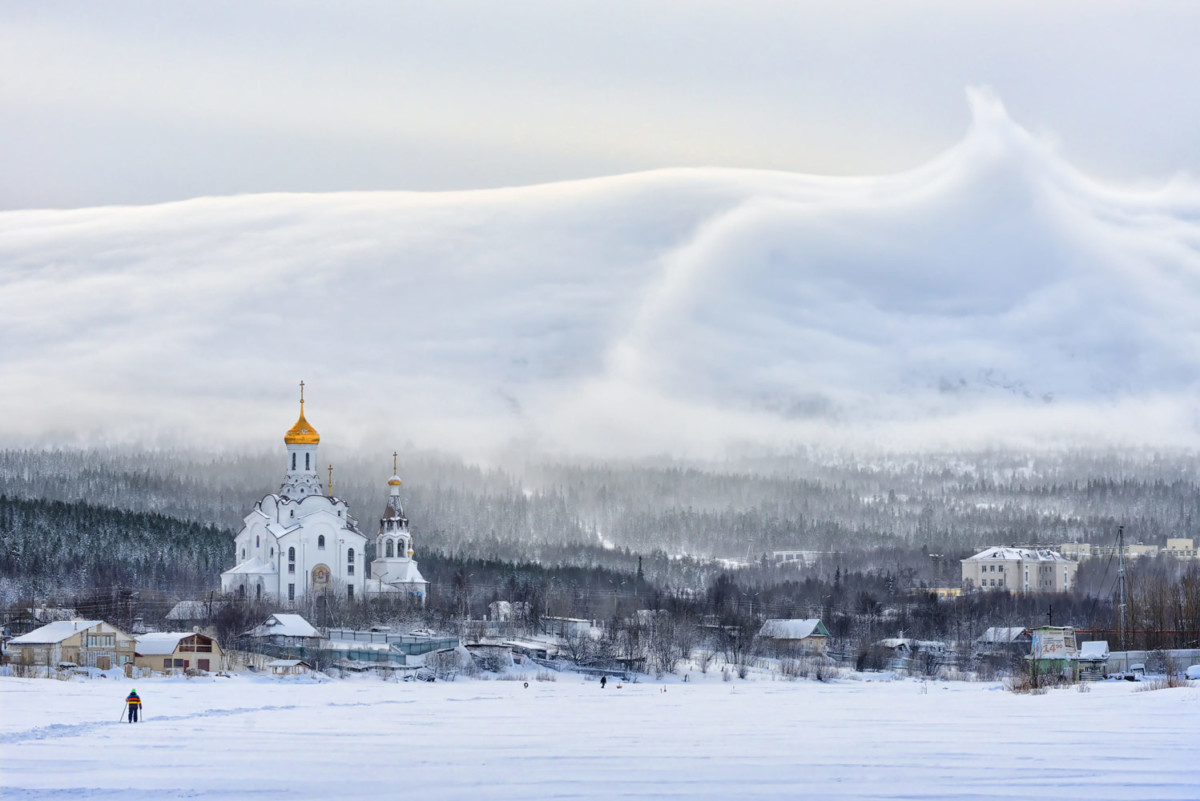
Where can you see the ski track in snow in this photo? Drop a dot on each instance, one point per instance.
(58, 730)
(570, 739)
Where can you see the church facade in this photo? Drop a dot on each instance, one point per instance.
(302, 541)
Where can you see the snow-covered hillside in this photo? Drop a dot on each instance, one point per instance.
(994, 294)
(242, 738)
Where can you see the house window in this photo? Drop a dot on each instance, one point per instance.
(350, 592)
(350, 556)
(258, 592)
(292, 592)
(291, 554)
(166, 664)
(321, 543)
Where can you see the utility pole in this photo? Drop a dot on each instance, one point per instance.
(1121, 583)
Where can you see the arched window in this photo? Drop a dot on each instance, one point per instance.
(306, 467)
(321, 542)
(256, 542)
(389, 549)
(258, 593)
(272, 553)
(291, 554)
(350, 556)
(243, 553)
(242, 590)
(293, 460)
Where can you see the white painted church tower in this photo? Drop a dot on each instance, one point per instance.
(394, 569)
(302, 540)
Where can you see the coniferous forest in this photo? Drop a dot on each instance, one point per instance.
(590, 539)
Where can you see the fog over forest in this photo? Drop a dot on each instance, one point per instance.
(735, 510)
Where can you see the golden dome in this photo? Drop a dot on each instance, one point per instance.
(394, 481)
(302, 433)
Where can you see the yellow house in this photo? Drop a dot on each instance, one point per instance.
(178, 650)
(87, 643)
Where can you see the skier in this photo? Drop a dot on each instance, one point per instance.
(603, 681)
(134, 704)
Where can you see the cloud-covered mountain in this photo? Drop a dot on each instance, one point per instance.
(994, 295)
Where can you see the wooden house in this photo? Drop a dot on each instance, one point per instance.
(84, 643)
(178, 650)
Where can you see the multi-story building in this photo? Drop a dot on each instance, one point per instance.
(1078, 551)
(1181, 549)
(1025, 570)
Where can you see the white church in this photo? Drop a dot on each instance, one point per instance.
(302, 540)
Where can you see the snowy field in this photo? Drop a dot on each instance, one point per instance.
(264, 739)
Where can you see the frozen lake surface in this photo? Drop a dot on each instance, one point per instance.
(252, 737)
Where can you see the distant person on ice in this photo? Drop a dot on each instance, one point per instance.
(603, 681)
(134, 704)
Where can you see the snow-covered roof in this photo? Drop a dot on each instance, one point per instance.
(253, 565)
(1093, 649)
(1001, 553)
(1002, 634)
(285, 625)
(408, 574)
(287, 663)
(796, 629)
(193, 610)
(54, 632)
(48, 614)
(160, 643)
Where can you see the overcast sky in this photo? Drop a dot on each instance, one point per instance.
(140, 102)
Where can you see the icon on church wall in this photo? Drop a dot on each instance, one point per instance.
(320, 576)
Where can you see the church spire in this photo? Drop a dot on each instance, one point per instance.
(301, 441)
(302, 433)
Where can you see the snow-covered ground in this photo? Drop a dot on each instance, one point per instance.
(251, 737)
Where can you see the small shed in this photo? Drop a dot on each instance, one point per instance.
(177, 650)
(807, 634)
(289, 667)
(1093, 659)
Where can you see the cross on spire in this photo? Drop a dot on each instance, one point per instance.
(301, 393)
(331, 480)
(395, 455)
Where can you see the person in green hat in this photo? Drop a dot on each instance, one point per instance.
(134, 704)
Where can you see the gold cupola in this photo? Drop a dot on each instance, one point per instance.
(302, 433)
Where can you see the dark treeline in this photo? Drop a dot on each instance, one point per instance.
(49, 549)
(573, 537)
(735, 510)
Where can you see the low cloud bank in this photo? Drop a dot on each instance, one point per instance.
(995, 296)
